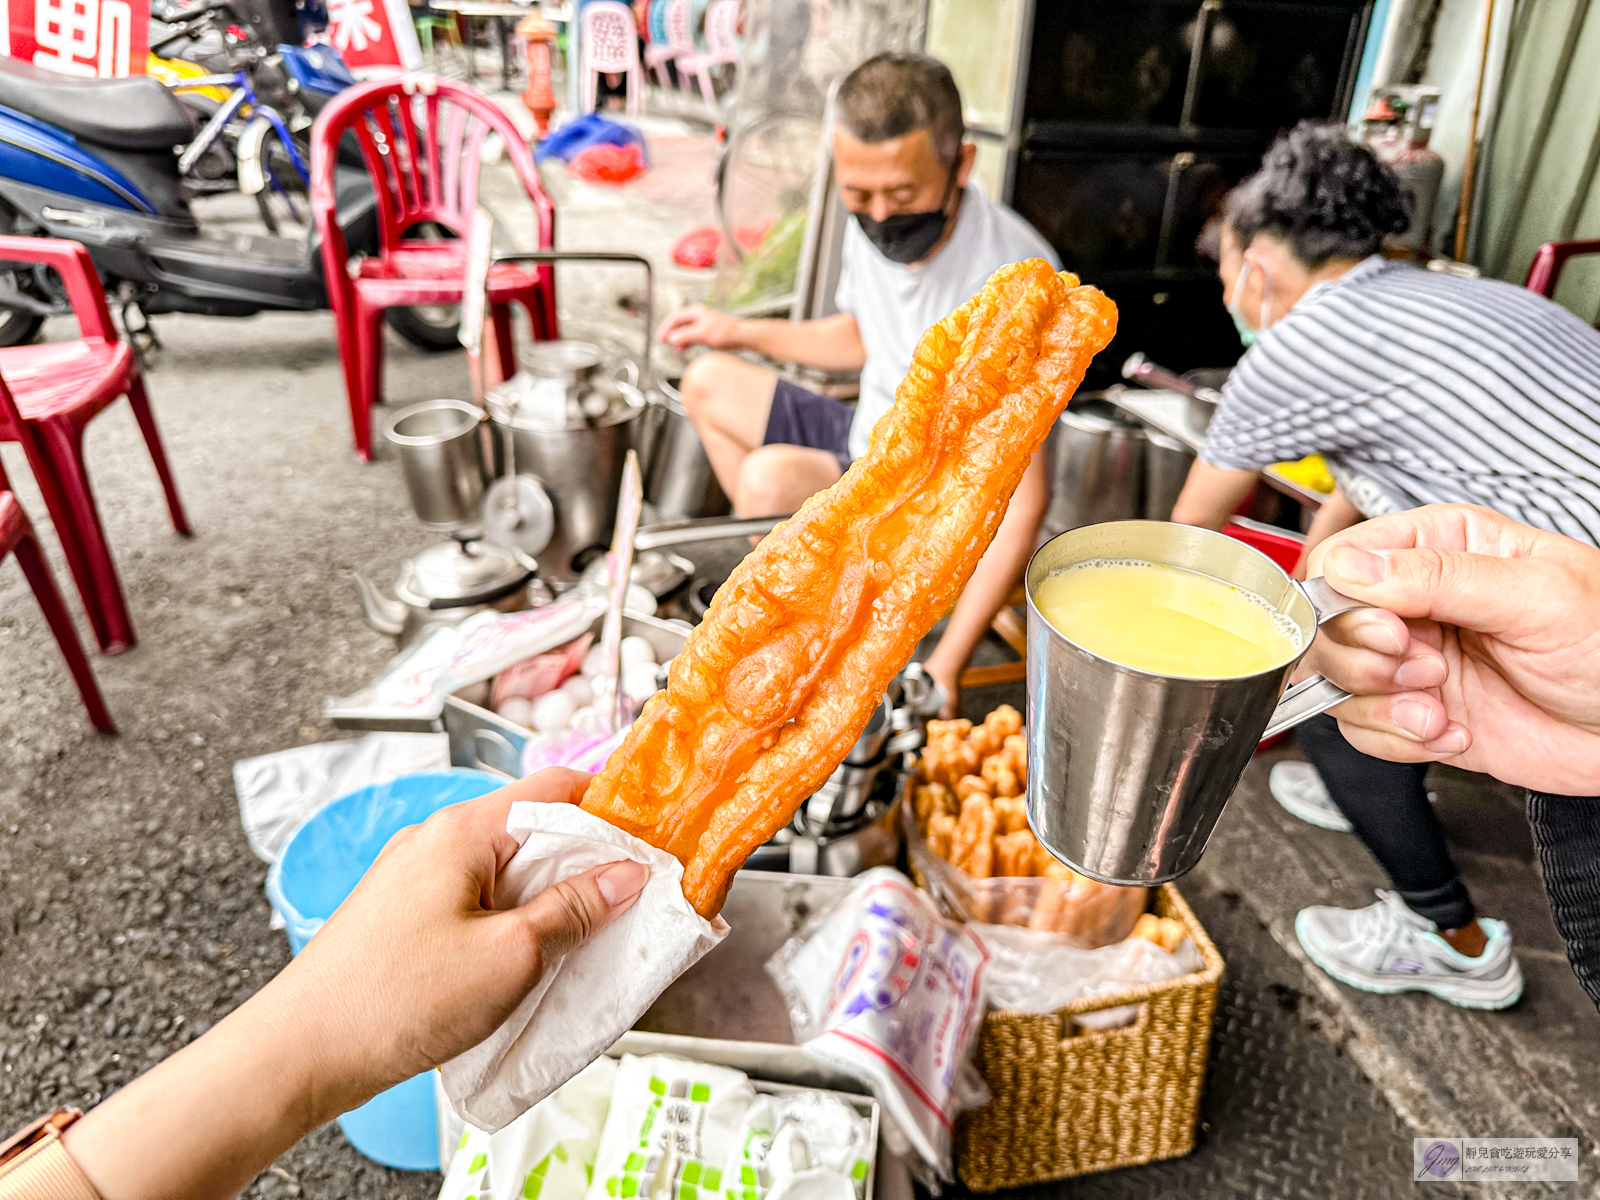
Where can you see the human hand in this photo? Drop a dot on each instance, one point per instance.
(1488, 656)
(698, 325)
(948, 677)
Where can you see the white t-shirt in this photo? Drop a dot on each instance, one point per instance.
(894, 305)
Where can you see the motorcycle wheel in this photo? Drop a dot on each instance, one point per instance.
(285, 208)
(17, 328)
(428, 327)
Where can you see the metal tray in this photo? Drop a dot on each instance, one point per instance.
(727, 1010)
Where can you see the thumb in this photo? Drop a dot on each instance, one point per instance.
(1480, 592)
(564, 916)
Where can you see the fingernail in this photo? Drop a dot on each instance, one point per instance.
(1354, 565)
(1376, 635)
(1452, 741)
(622, 881)
(1420, 673)
(1413, 716)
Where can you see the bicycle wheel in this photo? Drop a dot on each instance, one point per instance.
(285, 200)
(765, 175)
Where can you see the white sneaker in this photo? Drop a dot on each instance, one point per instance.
(1297, 786)
(1388, 948)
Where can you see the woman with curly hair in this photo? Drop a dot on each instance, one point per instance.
(1417, 387)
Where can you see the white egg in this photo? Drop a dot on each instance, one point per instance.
(636, 650)
(594, 662)
(552, 711)
(639, 681)
(588, 720)
(517, 710)
(580, 689)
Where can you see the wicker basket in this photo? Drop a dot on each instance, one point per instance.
(1064, 1105)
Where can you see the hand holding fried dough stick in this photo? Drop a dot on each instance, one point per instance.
(777, 682)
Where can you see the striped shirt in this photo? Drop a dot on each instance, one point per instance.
(1423, 388)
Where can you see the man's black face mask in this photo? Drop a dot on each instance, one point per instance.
(906, 237)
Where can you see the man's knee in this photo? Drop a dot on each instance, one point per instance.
(704, 385)
(774, 480)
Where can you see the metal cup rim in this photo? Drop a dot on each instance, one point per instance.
(1124, 668)
(391, 429)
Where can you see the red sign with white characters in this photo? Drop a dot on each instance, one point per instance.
(374, 37)
(104, 38)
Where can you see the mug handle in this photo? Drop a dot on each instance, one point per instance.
(1315, 695)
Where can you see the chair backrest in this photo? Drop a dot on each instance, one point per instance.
(1545, 270)
(656, 23)
(422, 140)
(722, 30)
(679, 35)
(608, 42)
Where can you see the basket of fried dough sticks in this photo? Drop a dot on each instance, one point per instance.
(1063, 1102)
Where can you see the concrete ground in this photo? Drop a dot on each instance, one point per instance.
(132, 915)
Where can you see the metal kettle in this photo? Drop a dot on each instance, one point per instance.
(446, 582)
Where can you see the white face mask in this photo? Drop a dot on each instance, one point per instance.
(1248, 333)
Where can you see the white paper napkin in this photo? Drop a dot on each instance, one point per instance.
(592, 996)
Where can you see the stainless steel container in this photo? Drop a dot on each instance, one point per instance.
(1097, 466)
(1129, 771)
(440, 445)
(1166, 469)
(680, 481)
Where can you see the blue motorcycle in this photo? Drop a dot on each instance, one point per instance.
(97, 161)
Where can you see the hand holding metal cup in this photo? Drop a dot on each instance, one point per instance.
(1128, 771)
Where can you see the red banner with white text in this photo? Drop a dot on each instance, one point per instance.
(374, 37)
(104, 38)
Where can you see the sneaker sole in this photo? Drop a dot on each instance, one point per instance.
(1313, 814)
(1464, 993)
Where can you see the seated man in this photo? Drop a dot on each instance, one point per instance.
(924, 241)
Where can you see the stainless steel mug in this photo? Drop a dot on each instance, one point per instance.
(1128, 771)
(440, 443)
(1097, 465)
(1166, 470)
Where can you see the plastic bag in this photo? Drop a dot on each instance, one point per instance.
(548, 1152)
(800, 1146)
(581, 132)
(885, 988)
(493, 641)
(539, 674)
(1083, 912)
(613, 165)
(1031, 973)
(698, 248)
(409, 686)
(278, 791)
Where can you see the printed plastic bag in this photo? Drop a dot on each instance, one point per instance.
(540, 673)
(885, 988)
(800, 1146)
(547, 1153)
(1082, 911)
(1031, 973)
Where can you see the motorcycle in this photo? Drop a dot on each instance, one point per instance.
(92, 160)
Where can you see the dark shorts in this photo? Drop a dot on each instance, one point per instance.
(802, 418)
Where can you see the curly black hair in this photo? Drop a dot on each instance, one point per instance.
(1323, 194)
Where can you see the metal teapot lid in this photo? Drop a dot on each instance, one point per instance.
(1098, 416)
(455, 574)
(522, 402)
(569, 361)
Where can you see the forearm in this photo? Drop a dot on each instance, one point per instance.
(212, 1117)
(831, 344)
(996, 573)
(1212, 494)
(1336, 513)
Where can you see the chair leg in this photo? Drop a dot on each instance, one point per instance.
(72, 507)
(139, 401)
(55, 614)
(361, 348)
(504, 341)
(706, 90)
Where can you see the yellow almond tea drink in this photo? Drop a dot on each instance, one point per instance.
(1165, 620)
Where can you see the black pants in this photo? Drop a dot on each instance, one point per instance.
(1388, 806)
(1566, 831)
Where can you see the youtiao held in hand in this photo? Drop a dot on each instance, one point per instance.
(777, 682)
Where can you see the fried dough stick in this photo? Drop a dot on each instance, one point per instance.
(776, 683)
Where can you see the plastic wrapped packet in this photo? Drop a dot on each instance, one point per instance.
(548, 1153)
(800, 1146)
(885, 988)
(1079, 910)
(672, 1126)
(409, 686)
(540, 673)
(492, 641)
(1031, 973)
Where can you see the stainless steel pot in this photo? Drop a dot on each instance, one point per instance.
(680, 481)
(1097, 466)
(440, 445)
(1166, 470)
(1128, 771)
(445, 583)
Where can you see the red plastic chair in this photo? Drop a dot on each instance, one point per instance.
(59, 387)
(422, 139)
(1280, 545)
(1545, 270)
(17, 537)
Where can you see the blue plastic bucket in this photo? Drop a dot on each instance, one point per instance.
(321, 864)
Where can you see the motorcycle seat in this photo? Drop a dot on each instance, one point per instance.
(135, 113)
